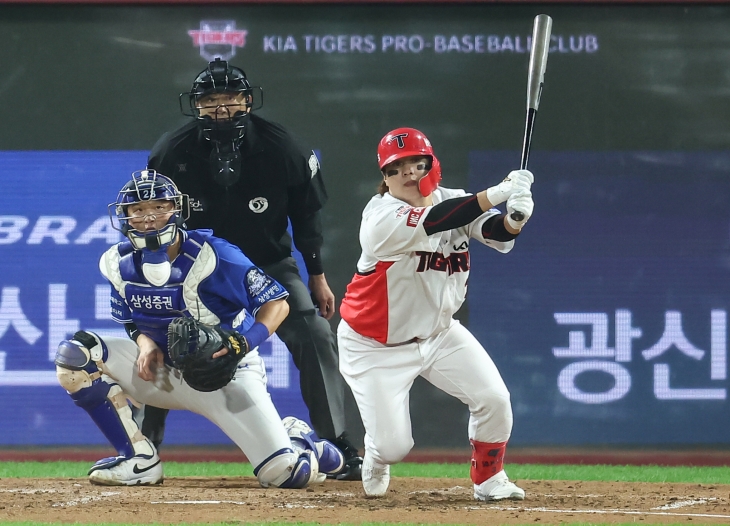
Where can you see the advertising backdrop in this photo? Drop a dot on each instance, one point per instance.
(609, 318)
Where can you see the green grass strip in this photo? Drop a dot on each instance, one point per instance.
(701, 475)
(688, 474)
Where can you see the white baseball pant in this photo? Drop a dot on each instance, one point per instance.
(242, 409)
(381, 377)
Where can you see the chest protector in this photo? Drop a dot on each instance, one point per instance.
(154, 307)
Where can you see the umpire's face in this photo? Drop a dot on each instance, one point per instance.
(222, 106)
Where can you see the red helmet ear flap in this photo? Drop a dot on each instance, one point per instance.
(431, 180)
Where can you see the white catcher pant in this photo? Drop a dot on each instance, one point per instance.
(243, 409)
(381, 377)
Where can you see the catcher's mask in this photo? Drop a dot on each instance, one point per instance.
(221, 122)
(149, 186)
(407, 142)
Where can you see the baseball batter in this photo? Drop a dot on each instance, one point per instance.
(163, 274)
(397, 315)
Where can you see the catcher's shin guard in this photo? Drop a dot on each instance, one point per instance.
(287, 469)
(329, 457)
(78, 363)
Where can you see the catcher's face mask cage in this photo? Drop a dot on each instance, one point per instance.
(151, 188)
(221, 99)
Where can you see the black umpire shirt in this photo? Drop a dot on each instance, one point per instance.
(278, 182)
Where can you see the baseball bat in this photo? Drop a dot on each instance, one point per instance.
(541, 29)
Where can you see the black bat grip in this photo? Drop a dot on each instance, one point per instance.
(529, 121)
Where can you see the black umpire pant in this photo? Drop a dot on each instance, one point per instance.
(313, 347)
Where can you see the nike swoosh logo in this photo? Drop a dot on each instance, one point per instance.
(137, 469)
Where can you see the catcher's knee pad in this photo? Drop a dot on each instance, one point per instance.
(78, 362)
(329, 457)
(287, 469)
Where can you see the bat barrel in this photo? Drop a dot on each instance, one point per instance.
(541, 31)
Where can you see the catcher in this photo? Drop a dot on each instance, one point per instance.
(196, 309)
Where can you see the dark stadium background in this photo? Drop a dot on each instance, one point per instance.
(630, 153)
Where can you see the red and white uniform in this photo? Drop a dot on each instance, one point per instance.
(403, 271)
(397, 324)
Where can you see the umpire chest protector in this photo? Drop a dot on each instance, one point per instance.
(253, 213)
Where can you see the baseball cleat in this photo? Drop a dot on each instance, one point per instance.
(140, 470)
(353, 460)
(352, 470)
(375, 477)
(498, 487)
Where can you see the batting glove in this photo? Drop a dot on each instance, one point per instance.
(516, 181)
(520, 202)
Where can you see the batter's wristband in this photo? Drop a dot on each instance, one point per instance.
(256, 335)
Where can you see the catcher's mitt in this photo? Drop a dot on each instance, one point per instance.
(191, 345)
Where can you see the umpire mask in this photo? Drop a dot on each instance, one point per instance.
(221, 100)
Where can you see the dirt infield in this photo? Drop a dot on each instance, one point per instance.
(413, 500)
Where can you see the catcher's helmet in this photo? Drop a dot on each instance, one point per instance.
(220, 77)
(407, 142)
(149, 185)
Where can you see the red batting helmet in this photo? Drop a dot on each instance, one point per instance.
(406, 142)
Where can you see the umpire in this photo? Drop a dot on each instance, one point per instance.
(246, 179)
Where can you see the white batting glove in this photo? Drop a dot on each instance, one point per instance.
(516, 181)
(521, 180)
(521, 202)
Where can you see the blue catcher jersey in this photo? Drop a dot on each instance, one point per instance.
(211, 280)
